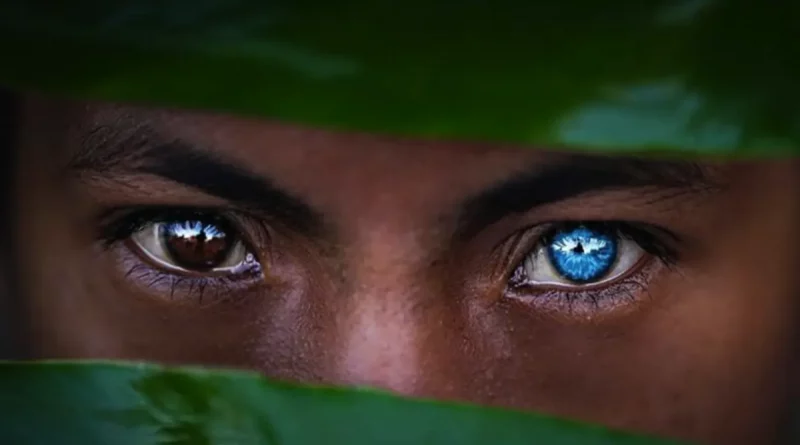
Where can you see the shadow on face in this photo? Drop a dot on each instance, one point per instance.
(654, 295)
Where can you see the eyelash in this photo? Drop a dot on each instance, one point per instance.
(658, 243)
(117, 226)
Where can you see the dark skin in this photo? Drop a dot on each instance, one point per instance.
(401, 264)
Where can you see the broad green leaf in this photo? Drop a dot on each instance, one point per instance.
(137, 404)
(712, 77)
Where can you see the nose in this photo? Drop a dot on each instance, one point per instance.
(382, 340)
(395, 326)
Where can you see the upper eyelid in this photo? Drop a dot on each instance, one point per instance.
(666, 215)
(534, 235)
(577, 176)
(117, 224)
(144, 150)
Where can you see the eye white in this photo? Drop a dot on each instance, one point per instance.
(539, 269)
(150, 242)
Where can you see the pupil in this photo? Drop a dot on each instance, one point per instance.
(195, 244)
(582, 255)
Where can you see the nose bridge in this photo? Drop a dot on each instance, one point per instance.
(384, 324)
(381, 341)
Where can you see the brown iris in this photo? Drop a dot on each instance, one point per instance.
(196, 244)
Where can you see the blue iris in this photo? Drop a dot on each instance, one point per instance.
(581, 254)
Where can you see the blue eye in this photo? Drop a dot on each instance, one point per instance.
(579, 255)
(582, 255)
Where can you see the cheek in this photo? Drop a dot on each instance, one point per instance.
(697, 364)
(84, 304)
(748, 279)
(721, 334)
(709, 359)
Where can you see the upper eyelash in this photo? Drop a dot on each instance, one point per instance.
(660, 243)
(656, 241)
(115, 228)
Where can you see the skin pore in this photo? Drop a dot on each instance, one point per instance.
(425, 268)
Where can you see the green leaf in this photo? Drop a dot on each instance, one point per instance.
(138, 404)
(713, 77)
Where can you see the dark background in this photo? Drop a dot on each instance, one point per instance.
(11, 334)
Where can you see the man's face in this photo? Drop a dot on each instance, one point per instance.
(653, 295)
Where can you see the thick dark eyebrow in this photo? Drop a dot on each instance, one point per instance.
(142, 150)
(572, 176)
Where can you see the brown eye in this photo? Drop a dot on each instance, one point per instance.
(197, 245)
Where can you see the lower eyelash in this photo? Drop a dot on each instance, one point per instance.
(207, 290)
(626, 293)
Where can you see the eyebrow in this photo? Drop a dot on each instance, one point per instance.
(140, 148)
(572, 176)
(143, 150)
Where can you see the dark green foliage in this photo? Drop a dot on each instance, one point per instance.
(691, 76)
(130, 404)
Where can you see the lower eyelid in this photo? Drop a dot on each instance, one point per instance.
(634, 268)
(626, 294)
(184, 288)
